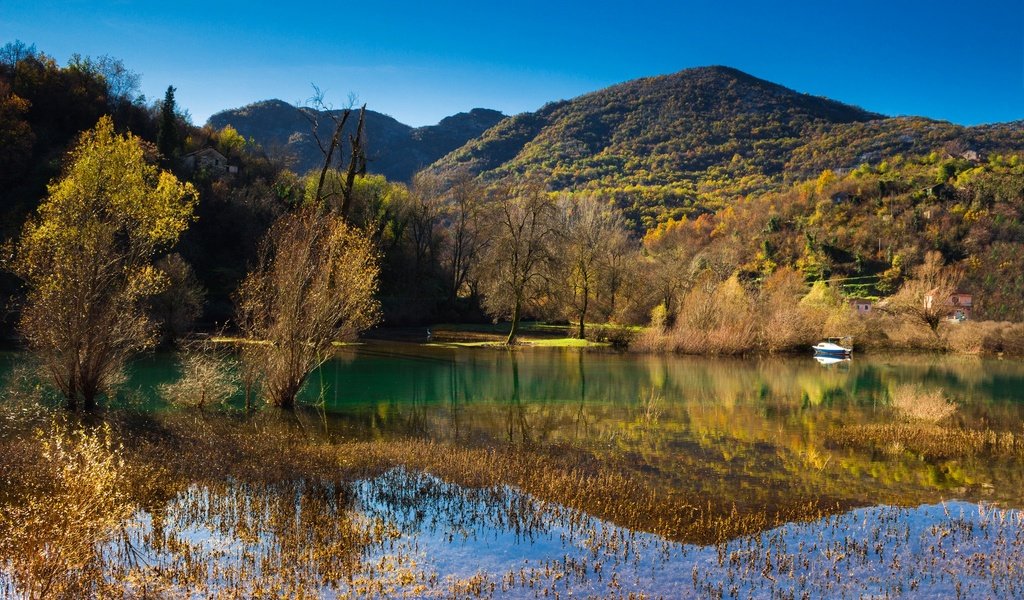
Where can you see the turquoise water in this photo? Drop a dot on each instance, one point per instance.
(759, 434)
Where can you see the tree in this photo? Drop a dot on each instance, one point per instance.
(425, 214)
(87, 260)
(180, 303)
(357, 151)
(313, 285)
(586, 229)
(925, 297)
(14, 52)
(16, 136)
(464, 241)
(514, 266)
(123, 84)
(167, 139)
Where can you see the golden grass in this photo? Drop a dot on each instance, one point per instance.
(929, 440)
(917, 403)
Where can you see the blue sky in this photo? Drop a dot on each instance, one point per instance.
(421, 61)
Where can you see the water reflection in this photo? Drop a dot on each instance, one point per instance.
(433, 471)
(409, 534)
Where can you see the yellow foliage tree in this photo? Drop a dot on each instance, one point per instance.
(87, 259)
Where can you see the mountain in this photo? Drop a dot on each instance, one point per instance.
(394, 149)
(693, 141)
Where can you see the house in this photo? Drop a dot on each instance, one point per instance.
(959, 305)
(860, 306)
(209, 160)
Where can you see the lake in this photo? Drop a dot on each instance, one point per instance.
(434, 471)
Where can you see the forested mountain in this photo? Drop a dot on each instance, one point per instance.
(696, 140)
(717, 171)
(394, 149)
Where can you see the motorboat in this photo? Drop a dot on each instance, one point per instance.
(832, 348)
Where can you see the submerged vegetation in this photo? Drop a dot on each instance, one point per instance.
(271, 503)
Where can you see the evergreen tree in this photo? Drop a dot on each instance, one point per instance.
(167, 139)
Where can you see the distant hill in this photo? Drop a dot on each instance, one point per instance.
(692, 141)
(395, 150)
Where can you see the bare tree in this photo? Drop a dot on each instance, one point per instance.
(177, 307)
(925, 298)
(315, 113)
(426, 210)
(621, 282)
(586, 228)
(464, 238)
(314, 285)
(513, 268)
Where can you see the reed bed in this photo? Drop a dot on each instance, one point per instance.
(929, 440)
(208, 505)
(916, 403)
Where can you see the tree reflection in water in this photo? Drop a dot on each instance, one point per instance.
(501, 473)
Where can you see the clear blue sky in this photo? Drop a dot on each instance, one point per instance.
(420, 61)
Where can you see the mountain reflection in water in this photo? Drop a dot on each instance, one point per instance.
(436, 471)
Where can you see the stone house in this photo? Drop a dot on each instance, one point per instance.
(209, 160)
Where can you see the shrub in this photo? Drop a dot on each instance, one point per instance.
(919, 404)
(206, 378)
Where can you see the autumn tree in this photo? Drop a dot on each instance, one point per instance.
(87, 260)
(313, 285)
(925, 298)
(513, 268)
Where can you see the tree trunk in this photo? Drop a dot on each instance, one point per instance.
(329, 155)
(515, 325)
(356, 164)
(583, 314)
(89, 390)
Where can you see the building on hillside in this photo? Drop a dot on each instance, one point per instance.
(861, 306)
(208, 159)
(959, 305)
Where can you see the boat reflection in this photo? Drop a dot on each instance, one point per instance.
(828, 361)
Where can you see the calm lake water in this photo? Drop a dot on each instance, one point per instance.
(757, 434)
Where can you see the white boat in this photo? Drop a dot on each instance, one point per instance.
(831, 348)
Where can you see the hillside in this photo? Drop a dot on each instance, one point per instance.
(692, 141)
(395, 150)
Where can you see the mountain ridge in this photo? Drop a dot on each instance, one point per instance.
(673, 145)
(663, 146)
(395, 150)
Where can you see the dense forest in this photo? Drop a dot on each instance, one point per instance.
(621, 207)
